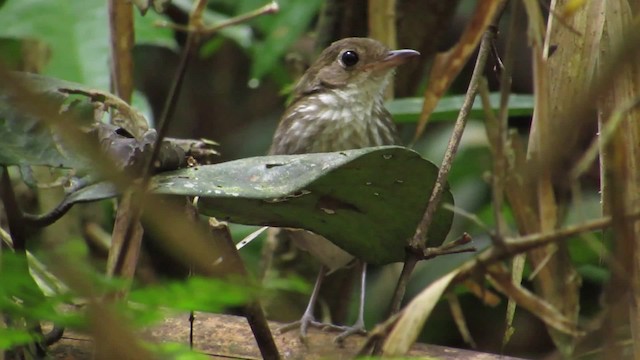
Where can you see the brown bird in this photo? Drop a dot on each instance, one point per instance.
(338, 104)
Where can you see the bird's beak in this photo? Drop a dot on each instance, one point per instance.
(397, 57)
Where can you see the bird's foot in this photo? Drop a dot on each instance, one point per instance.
(303, 324)
(346, 331)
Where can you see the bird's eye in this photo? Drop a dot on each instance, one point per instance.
(349, 58)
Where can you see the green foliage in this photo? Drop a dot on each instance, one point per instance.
(27, 139)
(279, 31)
(76, 31)
(176, 351)
(14, 337)
(291, 283)
(406, 110)
(11, 52)
(148, 33)
(196, 293)
(367, 201)
(21, 297)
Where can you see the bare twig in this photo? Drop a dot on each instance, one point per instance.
(497, 128)
(46, 219)
(252, 311)
(452, 247)
(13, 213)
(458, 318)
(605, 136)
(122, 41)
(493, 254)
(382, 26)
(270, 8)
(417, 243)
(420, 237)
(19, 236)
(526, 243)
(193, 39)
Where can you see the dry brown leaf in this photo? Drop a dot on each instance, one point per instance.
(413, 317)
(501, 280)
(485, 295)
(458, 318)
(447, 65)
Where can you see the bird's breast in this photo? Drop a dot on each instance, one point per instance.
(339, 120)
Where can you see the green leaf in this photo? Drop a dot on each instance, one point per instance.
(194, 294)
(148, 33)
(13, 337)
(37, 137)
(11, 52)
(176, 351)
(282, 30)
(407, 110)
(367, 201)
(76, 31)
(20, 296)
(27, 140)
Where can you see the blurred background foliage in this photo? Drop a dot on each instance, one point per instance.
(235, 91)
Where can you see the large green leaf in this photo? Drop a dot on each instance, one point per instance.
(367, 201)
(76, 31)
(408, 109)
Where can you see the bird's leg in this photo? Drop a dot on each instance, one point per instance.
(308, 318)
(358, 326)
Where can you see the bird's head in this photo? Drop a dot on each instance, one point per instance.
(356, 63)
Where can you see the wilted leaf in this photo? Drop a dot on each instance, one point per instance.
(546, 312)
(30, 139)
(413, 317)
(447, 65)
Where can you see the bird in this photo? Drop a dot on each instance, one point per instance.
(337, 105)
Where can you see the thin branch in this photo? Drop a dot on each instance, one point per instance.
(526, 243)
(252, 311)
(19, 237)
(193, 39)
(270, 8)
(561, 18)
(449, 248)
(46, 219)
(417, 243)
(14, 215)
(605, 136)
(420, 236)
(513, 246)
